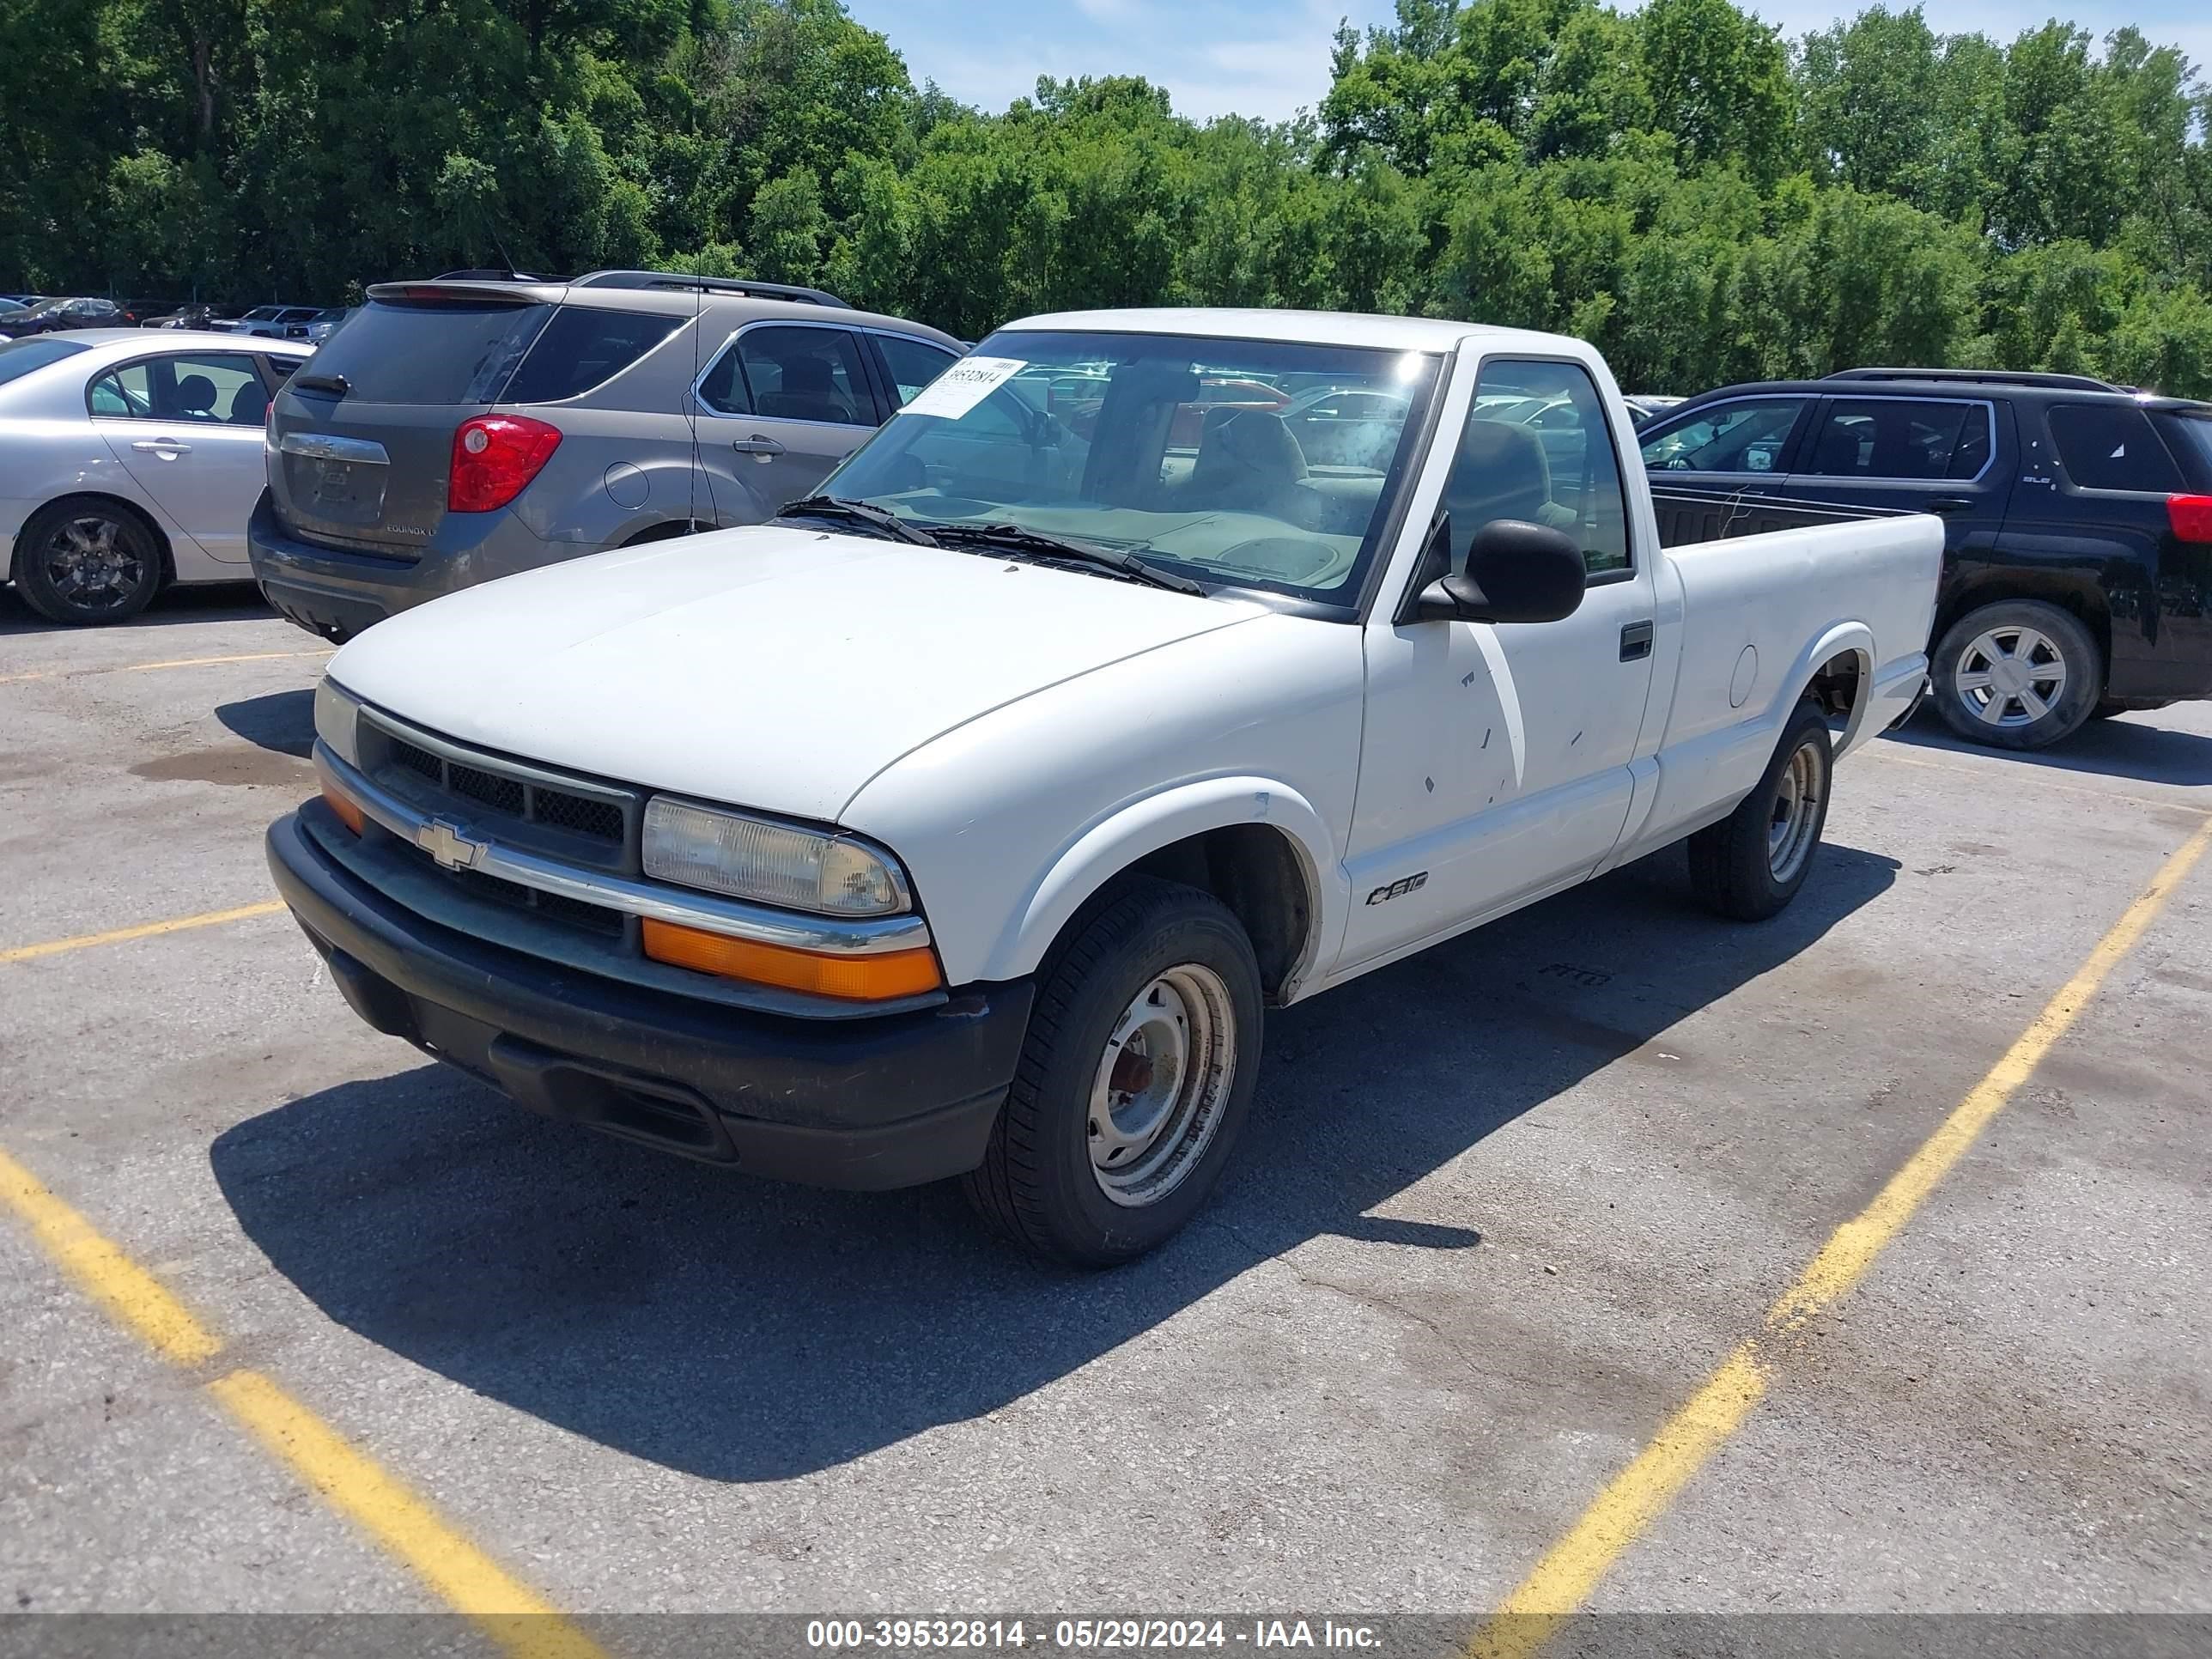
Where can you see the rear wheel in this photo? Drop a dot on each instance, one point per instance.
(1752, 863)
(1136, 1076)
(84, 563)
(2018, 674)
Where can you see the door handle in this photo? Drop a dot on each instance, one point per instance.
(1946, 504)
(163, 446)
(757, 445)
(1635, 642)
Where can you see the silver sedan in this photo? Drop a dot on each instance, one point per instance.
(130, 460)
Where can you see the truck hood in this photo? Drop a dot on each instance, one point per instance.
(770, 667)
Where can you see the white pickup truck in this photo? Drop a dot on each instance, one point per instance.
(1149, 669)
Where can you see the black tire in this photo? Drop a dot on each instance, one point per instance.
(2064, 645)
(86, 563)
(1734, 863)
(1039, 1184)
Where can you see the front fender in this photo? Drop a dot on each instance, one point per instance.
(1131, 831)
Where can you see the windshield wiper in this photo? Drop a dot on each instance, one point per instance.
(337, 383)
(876, 518)
(1019, 539)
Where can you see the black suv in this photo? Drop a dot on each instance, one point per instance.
(2077, 565)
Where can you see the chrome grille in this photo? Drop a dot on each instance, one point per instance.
(509, 790)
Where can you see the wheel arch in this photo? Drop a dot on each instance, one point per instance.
(2087, 602)
(103, 498)
(1257, 846)
(1836, 670)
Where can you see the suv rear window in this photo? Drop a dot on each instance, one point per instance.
(2190, 436)
(2110, 446)
(581, 348)
(408, 351)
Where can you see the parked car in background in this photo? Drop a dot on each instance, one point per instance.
(11, 307)
(1645, 407)
(454, 431)
(965, 821)
(53, 316)
(2077, 576)
(194, 315)
(130, 461)
(319, 327)
(272, 322)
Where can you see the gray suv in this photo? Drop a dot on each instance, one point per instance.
(454, 431)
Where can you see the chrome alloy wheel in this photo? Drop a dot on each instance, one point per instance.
(1795, 816)
(2010, 676)
(1162, 1085)
(86, 566)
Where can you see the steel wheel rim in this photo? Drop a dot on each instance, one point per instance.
(90, 564)
(1796, 814)
(2010, 676)
(1161, 1086)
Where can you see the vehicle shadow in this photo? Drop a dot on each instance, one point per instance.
(209, 602)
(741, 1330)
(283, 720)
(2123, 748)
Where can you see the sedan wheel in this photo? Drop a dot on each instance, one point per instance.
(85, 563)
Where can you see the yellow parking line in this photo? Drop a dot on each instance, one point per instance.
(1571, 1569)
(148, 667)
(134, 1297)
(514, 1616)
(54, 947)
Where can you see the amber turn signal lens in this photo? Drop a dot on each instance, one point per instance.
(348, 814)
(851, 979)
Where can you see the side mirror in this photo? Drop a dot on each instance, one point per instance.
(1517, 572)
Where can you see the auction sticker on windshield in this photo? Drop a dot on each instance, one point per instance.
(964, 385)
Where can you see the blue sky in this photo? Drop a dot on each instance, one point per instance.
(1269, 58)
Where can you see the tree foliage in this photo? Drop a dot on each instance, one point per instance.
(1703, 199)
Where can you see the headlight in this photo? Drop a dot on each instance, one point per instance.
(337, 719)
(772, 863)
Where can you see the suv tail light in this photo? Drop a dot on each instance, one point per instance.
(2190, 516)
(494, 458)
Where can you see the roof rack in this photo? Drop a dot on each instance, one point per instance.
(737, 285)
(1998, 376)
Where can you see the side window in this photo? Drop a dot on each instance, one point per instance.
(799, 374)
(1541, 453)
(1745, 436)
(121, 394)
(1894, 438)
(2110, 446)
(914, 363)
(722, 388)
(580, 349)
(217, 389)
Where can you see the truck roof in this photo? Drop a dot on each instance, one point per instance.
(1314, 327)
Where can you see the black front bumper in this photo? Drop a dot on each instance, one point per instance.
(861, 1103)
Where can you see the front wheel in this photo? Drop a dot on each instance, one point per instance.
(2018, 674)
(1752, 863)
(1136, 1076)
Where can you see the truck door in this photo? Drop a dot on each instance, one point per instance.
(1946, 456)
(1495, 763)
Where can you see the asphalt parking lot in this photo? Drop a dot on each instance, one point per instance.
(1502, 1211)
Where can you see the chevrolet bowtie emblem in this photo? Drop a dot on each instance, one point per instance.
(447, 846)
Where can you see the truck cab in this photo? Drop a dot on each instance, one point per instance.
(965, 819)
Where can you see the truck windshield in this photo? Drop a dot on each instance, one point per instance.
(1257, 463)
